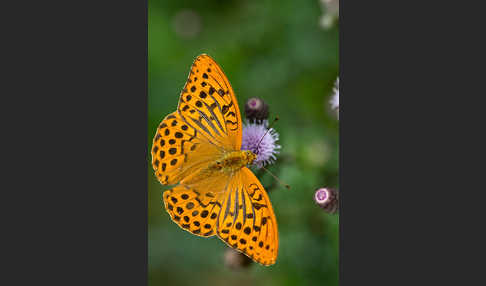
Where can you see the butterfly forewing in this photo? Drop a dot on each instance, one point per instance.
(178, 151)
(208, 103)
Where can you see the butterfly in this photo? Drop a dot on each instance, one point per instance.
(197, 149)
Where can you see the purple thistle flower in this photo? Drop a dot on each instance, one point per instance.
(327, 199)
(268, 148)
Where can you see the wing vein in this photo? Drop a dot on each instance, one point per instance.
(215, 119)
(221, 74)
(237, 195)
(203, 115)
(243, 198)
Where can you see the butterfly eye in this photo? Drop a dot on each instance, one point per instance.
(219, 166)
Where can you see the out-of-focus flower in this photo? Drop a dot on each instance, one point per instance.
(187, 24)
(327, 199)
(264, 146)
(236, 260)
(331, 13)
(335, 97)
(317, 152)
(256, 110)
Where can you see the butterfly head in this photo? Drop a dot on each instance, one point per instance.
(249, 157)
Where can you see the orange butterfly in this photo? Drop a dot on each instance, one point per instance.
(198, 149)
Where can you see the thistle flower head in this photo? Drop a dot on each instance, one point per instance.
(265, 150)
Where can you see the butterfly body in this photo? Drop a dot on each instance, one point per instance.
(229, 163)
(198, 149)
(234, 161)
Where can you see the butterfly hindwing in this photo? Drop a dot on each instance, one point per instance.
(193, 210)
(247, 221)
(208, 103)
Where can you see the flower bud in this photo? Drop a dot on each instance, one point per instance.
(235, 260)
(256, 109)
(327, 199)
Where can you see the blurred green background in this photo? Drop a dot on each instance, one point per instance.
(280, 51)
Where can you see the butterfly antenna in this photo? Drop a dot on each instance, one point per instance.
(277, 179)
(269, 128)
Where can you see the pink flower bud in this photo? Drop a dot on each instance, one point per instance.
(256, 109)
(327, 199)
